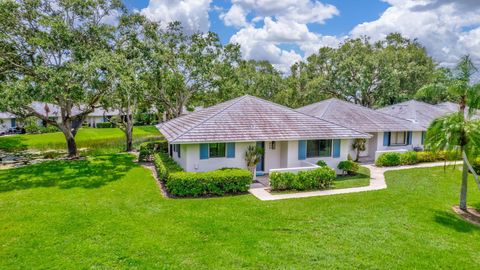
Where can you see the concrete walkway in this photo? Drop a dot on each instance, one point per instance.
(377, 182)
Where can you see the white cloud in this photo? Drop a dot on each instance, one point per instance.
(264, 43)
(284, 23)
(438, 25)
(236, 16)
(193, 14)
(301, 11)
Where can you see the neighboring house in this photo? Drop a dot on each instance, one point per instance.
(389, 133)
(99, 115)
(419, 113)
(454, 107)
(218, 137)
(7, 121)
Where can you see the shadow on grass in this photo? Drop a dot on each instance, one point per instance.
(451, 220)
(91, 173)
(13, 143)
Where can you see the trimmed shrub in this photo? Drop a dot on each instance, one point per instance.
(322, 163)
(147, 149)
(215, 183)
(426, 157)
(409, 158)
(165, 165)
(449, 155)
(388, 159)
(320, 178)
(349, 167)
(105, 125)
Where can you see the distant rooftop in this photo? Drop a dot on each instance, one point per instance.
(416, 111)
(356, 116)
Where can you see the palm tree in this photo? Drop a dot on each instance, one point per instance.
(359, 145)
(253, 156)
(458, 131)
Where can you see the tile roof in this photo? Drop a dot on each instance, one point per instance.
(356, 116)
(249, 118)
(454, 107)
(416, 111)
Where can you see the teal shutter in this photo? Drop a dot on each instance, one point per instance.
(409, 138)
(14, 122)
(423, 137)
(386, 138)
(204, 151)
(336, 148)
(302, 150)
(230, 150)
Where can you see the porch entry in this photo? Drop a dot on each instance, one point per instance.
(261, 165)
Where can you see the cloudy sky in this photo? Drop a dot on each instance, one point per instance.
(286, 31)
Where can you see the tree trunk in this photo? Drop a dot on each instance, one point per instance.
(358, 155)
(129, 134)
(71, 144)
(463, 191)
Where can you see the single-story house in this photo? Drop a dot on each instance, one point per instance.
(218, 136)
(99, 115)
(419, 113)
(7, 121)
(389, 133)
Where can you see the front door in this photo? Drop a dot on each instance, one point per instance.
(261, 163)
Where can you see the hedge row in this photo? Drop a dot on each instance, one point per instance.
(105, 125)
(147, 149)
(411, 157)
(165, 165)
(214, 183)
(320, 178)
(196, 184)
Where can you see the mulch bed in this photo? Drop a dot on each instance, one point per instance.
(472, 215)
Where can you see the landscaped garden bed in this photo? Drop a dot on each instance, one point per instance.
(411, 157)
(178, 183)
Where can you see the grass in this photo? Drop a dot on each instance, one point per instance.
(107, 212)
(361, 179)
(98, 140)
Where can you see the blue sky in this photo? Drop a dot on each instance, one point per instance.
(286, 31)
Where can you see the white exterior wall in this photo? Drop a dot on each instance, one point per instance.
(285, 155)
(5, 124)
(193, 163)
(416, 142)
(417, 139)
(182, 160)
(94, 120)
(272, 156)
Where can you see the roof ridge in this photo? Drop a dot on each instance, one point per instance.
(363, 108)
(213, 115)
(293, 110)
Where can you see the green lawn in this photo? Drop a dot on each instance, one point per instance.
(361, 179)
(107, 212)
(90, 138)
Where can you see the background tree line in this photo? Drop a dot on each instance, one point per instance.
(68, 53)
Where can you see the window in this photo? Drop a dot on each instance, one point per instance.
(319, 148)
(273, 145)
(176, 148)
(398, 138)
(216, 150)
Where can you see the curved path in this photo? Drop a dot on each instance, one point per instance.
(377, 182)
